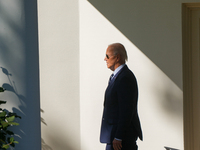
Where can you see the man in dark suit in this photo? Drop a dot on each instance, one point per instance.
(120, 126)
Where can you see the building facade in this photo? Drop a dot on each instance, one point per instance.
(54, 54)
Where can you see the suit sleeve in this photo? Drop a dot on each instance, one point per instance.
(127, 94)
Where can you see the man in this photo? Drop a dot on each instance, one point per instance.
(120, 126)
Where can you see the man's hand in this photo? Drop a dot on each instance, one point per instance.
(117, 145)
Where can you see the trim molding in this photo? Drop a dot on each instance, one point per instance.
(191, 139)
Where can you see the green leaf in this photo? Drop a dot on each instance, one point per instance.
(2, 102)
(13, 114)
(11, 139)
(2, 89)
(13, 123)
(16, 142)
(5, 146)
(5, 124)
(3, 114)
(10, 119)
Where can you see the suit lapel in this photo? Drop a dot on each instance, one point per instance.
(114, 78)
(110, 86)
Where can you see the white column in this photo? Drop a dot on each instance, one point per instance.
(20, 69)
(59, 74)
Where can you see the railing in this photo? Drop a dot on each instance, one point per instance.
(169, 148)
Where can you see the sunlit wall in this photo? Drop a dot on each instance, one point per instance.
(59, 74)
(160, 97)
(73, 37)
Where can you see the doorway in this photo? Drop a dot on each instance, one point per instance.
(191, 74)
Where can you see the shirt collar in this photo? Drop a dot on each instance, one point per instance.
(118, 69)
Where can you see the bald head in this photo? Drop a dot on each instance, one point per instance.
(119, 49)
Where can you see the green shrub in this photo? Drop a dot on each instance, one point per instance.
(7, 120)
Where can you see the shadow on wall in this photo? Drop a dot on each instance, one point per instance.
(170, 100)
(57, 139)
(45, 146)
(19, 54)
(11, 87)
(153, 26)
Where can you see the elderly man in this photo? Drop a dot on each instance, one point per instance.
(120, 126)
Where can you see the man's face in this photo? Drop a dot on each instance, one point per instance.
(110, 59)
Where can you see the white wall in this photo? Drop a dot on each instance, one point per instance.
(74, 76)
(160, 98)
(59, 74)
(19, 71)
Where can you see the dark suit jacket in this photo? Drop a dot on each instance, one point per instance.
(120, 116)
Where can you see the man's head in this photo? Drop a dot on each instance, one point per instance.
(115, 56)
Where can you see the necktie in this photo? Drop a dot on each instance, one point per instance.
(111, 78)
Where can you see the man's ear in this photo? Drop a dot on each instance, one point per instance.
(118, 58)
